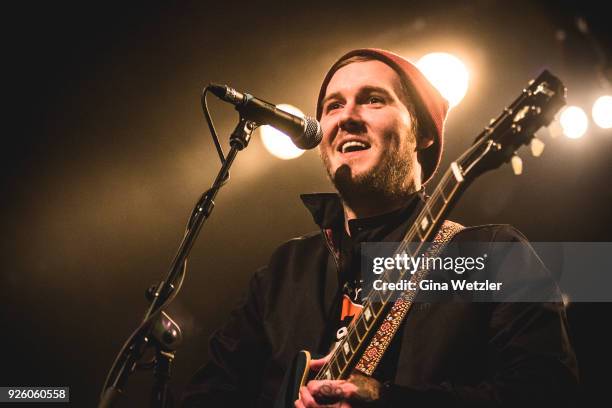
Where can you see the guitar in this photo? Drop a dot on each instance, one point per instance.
(495, 145)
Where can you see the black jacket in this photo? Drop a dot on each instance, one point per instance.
(457, 354)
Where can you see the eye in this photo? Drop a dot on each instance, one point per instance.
(375, 100)
(332, 105)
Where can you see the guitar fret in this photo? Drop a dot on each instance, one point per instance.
(353, 340)
(448, 188)
(407, 248)
(361, 325)
(376, 307)
(367, 322)
(429, 214)
(391, 275)
(436, 206)
(335, 370)
(425, 223)
(386, 296)
(342, 360)
(346, 348)
(367, 313)
(441, 190)
(375, 297)
(420, 235)
(357, 332)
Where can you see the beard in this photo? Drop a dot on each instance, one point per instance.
(389, 180)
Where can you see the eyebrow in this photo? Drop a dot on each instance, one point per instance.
(330, 96)
(365, 89)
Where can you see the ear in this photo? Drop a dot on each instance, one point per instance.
(424, 141)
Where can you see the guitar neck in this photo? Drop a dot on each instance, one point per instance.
(345, 356)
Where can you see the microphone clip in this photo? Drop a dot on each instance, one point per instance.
(241, 136)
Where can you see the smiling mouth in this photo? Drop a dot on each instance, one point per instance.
(353, 146)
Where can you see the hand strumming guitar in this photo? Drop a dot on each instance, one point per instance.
(355, 392)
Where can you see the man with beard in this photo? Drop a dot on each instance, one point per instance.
(382, 140)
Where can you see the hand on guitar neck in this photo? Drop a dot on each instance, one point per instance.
(357, 391)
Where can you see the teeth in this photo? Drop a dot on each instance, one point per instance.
(352, 143)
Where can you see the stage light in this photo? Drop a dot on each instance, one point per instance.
(602, 112)
(447, 73)
(574, 122)
(278, 143)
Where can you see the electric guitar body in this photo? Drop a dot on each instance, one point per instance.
(295, 377)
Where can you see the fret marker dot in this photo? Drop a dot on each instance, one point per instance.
(424, 223)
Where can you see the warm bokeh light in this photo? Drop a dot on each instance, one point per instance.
(602, 112)
(447, 73)
(278, 143)
(574, 122)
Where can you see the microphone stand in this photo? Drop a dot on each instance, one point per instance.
(157, 330)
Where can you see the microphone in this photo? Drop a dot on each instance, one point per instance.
(305, 132)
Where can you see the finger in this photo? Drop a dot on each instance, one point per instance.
(315, 386)
(316, 364)
(326, 392)
(349, 390)
(306, 398)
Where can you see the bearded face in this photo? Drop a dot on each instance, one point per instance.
(368, 146)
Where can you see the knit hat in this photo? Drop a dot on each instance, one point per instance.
(430, 106)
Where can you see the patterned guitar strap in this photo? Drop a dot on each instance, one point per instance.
(383, 336)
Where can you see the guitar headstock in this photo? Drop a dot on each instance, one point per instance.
(498, 143)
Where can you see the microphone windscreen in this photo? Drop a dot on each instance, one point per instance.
(312, 135)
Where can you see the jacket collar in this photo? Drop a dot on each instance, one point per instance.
(326, 208)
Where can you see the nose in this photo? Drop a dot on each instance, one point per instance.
(350, 119)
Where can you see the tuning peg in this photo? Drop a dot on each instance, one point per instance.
(517, 165)
(537, 147)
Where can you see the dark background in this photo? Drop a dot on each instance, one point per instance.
(105, 151)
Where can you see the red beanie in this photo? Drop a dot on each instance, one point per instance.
(430, 106)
